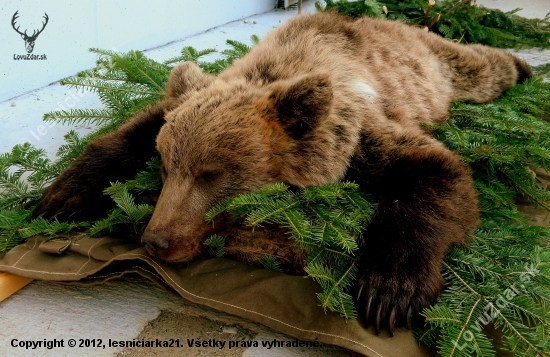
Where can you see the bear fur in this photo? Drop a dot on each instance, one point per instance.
(322, 98)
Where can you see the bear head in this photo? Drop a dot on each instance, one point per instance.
(232, 137)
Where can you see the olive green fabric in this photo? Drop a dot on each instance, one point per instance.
(284, 303)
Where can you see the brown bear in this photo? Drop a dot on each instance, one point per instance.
(322, 98)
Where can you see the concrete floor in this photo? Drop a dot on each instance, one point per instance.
(124, 308)
(120, 310)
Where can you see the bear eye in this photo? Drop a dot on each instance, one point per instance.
(208, 176)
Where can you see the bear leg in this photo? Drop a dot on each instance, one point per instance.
(477, 73)
(77, 193)
(426, 203)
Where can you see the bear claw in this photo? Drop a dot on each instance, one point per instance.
(60, 212)
(409, 317)
(358, 297)
(42, 214)
(72, 214)
(395, 300)
(369, 302)
(393, 319)
(378, 315)
(377, 323)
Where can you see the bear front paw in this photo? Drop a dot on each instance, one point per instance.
(393, 298)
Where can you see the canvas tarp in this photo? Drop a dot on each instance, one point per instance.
(284, 303)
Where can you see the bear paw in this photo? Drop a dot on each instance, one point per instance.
(395, 298)
(77, 202)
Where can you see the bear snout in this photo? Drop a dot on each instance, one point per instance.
(171, 248)
(156, 244)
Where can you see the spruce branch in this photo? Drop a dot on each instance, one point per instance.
(459, 20)
(319, 225)
(215, 246)
(270, 262)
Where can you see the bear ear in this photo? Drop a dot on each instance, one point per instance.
(185, 77)
(301, 103)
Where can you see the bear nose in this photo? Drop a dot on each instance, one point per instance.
(155, 243)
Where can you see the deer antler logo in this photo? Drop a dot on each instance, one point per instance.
(29, 40)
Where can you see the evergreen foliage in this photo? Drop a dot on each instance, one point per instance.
(325, 222)
(460, 20)
(125, 83)
(24, 174)
(501, 277)
(128, 213)
(237, 49)
(214, 246)
(270, 262)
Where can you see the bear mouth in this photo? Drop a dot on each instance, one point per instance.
(177, 253)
